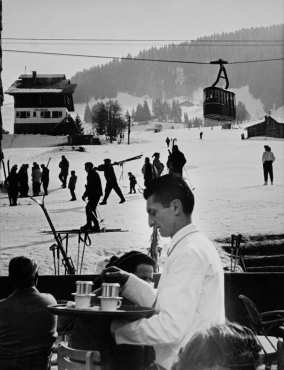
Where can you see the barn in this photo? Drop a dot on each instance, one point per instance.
(270, 127)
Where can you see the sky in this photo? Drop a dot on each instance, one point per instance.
(115, 19)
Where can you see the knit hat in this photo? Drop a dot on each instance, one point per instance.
(155, 155)
(267, 147)
(107, 160)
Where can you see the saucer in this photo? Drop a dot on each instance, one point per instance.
(110, 297)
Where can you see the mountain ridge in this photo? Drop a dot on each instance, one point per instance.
(166, 80)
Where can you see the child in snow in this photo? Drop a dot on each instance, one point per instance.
(133, 182)
(72, 185)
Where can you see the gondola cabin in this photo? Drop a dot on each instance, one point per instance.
(219, 104)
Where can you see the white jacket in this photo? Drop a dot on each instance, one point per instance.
(268, 156)
(190, 297)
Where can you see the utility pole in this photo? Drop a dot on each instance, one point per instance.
(129, 120)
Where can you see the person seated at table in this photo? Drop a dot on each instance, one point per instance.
(95, 334)
(230, 346)
(27, 328)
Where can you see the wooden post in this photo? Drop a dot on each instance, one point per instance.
(129, 120)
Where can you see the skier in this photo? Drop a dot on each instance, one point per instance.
(242, 136)
(200, 135)
(72, 185)
(12, 181)
(133, 182)
(45, 178)
(168, 142)
(158, 166)
(23, 180)
(64, 165)
(148, 172)
(176, 161)
(93, 192)
(36, 178)
(111, 182)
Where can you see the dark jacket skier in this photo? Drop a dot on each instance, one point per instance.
(64, 166)
(111, 182)
(176, 161)
(12, 181)
(23, 180)
(45, 178)
(93, 192)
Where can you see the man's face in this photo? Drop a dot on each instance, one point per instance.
(163, 218)
(87, 169)
(145, 272)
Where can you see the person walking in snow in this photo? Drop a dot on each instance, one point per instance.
(93, 192)
(23, 180)
(201, 134)
(45, 178)
(111, 181)
(64, 166)
(168, 142)
(267, 159)
(72, 185)
(133, 182)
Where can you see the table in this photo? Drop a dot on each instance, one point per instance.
(130, 313)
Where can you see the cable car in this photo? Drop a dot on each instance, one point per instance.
(219, 104)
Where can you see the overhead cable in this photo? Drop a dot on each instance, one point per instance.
(133, 59)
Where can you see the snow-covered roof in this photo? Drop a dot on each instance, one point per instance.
(44, 76)
(252, 123)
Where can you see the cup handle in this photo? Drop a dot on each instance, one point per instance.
(118, 303)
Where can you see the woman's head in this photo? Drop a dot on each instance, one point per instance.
(225, 347)
(267, 148)
(136, 263)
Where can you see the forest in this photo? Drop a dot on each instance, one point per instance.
(164, 80)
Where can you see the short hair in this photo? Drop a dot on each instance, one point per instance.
(89, 164)
(22, 272)
(131, 260)
(72, 172)
(168, 188)
(228, 346)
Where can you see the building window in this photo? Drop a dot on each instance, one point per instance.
(56, 114)
(45, 114)
(18, 114)
(23, 114)
(34, 114)
(28, 114)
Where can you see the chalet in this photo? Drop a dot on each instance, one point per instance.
(270, 127)
(42, 104)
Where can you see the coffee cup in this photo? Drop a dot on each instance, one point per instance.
(82, 301)
(110, 303)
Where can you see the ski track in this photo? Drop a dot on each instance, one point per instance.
(225, 171)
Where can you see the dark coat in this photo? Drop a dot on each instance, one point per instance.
(64, 165)
(72, 182)
(108, 172)
(176, 161)
(94, 186)
(45, 175)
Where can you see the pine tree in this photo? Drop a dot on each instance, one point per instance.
(87, 114)
(146, 111)
(186, 120)
(79, 124)
(241, 112)
(100, 119)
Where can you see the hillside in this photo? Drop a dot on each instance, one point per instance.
(168, 80)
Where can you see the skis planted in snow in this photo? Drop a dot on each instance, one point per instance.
(67, 261)
(5, 175)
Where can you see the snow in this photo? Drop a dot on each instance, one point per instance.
(225, 171)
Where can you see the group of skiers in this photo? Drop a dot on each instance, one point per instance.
(17, 182)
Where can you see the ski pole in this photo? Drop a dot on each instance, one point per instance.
(189, 180)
